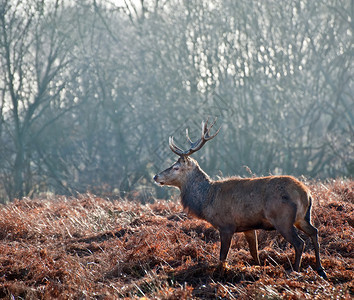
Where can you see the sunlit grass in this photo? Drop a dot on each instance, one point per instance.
(94, 248)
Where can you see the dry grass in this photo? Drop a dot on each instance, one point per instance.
(91, 248)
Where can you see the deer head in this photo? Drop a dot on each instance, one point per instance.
(179, 172)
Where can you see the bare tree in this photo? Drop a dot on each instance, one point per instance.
(34, 56)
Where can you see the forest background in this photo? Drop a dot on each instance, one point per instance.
(90, 91)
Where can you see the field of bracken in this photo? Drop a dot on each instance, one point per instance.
(93, 248)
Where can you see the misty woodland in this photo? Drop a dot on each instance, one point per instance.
(91, 90)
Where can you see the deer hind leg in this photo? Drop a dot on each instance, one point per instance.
(284, 223)
(251, 237)
(293, 238)
(312, 232)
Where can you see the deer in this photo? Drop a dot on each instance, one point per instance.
(236, 204)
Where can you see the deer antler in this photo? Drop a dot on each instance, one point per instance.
(195, 146)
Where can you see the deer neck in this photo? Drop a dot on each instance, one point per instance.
(194, 193)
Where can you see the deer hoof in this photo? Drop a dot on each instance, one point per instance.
(322, 273)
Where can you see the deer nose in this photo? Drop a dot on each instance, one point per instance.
(155, 177)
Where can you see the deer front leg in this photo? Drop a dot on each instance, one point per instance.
(225, 238)
(251, 237)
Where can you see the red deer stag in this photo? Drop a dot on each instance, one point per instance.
(242, 204)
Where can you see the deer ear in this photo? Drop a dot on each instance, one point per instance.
(187, 160)
(183, 158)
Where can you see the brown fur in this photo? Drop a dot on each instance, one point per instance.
(244, 205)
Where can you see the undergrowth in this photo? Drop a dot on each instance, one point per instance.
(92, 248)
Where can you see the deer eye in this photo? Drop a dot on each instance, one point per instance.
(175, 168)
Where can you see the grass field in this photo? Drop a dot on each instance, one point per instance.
(93, 248)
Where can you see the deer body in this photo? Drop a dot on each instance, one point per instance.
(243, 204)
(246, 204)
